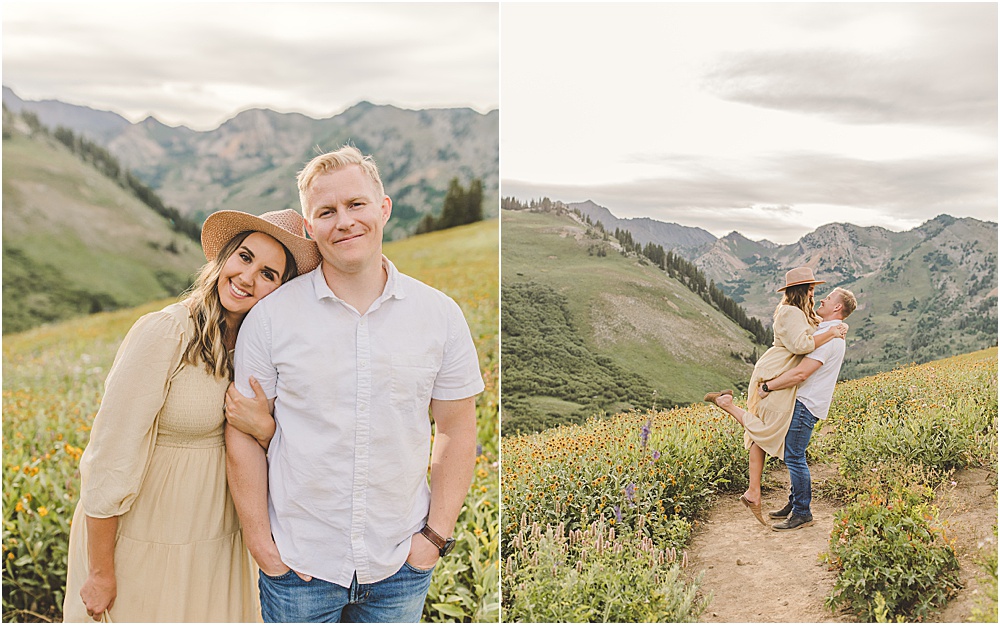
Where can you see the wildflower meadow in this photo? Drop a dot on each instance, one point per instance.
(898, 437)
(53, 379)
(596, 517)
(610, 505)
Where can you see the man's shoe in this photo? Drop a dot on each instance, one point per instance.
(781, 514)
(793, 522)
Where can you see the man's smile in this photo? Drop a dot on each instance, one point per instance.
(349, 238)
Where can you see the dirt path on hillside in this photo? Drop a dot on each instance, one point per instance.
(969, 508)
(757, 575)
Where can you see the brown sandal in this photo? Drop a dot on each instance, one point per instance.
(711, 397)
(755, 508)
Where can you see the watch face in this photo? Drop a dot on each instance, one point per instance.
(448, 546)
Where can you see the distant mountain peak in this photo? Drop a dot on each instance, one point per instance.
(671, 236)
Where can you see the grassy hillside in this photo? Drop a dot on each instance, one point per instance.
(75, 243)
(626, 310)
(550, 376)
(52, 384)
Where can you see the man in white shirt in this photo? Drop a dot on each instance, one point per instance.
(350, 357)
(816, 378)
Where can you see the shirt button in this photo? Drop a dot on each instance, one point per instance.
(363, 364)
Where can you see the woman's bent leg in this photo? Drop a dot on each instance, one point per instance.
(726, 403)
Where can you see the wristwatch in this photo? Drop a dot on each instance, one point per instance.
(444, 545)
(764, 387)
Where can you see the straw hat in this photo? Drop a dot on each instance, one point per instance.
(800, 275)
(287, 226)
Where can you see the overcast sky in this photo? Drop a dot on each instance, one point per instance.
(198, 64)
(767, 119)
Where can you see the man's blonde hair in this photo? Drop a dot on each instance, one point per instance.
(332, 161)
(848, 300)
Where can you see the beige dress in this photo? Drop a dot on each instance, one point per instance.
(769, 418)
(157, 460)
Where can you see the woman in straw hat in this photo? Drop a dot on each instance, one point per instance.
(766, 421)
(156, 536)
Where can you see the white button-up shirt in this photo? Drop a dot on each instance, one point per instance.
(347, 466)
(816, 393)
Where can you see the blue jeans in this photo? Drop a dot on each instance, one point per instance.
(796, 441)
(396, 599)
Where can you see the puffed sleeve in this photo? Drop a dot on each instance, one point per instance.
(124, 431)
(793, 330)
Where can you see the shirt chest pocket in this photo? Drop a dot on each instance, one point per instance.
(412, 381)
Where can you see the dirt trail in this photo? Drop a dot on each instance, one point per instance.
(758, 575)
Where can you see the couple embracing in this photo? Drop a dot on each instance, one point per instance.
(333, 373)
(791, 390)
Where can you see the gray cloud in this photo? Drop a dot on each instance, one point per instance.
(949, 79)
(765, 204)
(413, 56)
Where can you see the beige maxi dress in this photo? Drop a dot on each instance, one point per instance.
(769, 418)
(157, 460)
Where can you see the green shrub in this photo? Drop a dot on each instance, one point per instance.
(938, 438)
(887, 478)
(893, 559)
(595, 575)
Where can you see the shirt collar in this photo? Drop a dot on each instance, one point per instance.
(393, 285)
(829, 324)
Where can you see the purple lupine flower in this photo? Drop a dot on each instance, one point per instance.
(630, 493)
(656, 454)
(618, 514)
(479, 449)
(644, 435)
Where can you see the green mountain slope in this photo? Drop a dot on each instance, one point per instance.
(625, 311)
(75, 243)
(936, 299)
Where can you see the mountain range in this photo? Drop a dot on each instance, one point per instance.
(923, 294)
(75, 241)
(249, 162)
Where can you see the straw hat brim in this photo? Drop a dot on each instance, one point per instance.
(221, 226)
(800, 283)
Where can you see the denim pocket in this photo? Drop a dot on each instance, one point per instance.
(280, 578)
(418, 571)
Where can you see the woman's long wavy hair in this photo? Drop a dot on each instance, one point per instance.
(800, 297)
(207, 346)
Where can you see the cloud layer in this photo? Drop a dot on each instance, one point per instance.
(201, 63)
(772, 119)
(788, 195)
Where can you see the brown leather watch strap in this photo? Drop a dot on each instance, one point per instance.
(436, 539)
